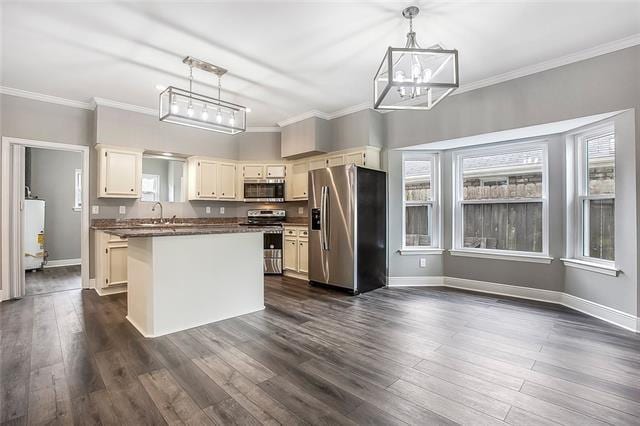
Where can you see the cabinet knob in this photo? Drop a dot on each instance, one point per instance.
(131, 189)
(223, 193)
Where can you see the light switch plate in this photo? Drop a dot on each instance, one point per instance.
(207, 210)
(423, 262)
(221, 210)
(122, 210)
(95, 209)
(300, 210)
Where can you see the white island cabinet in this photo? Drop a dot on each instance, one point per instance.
(182, 279)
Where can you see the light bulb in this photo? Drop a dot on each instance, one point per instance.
(190, 110)
(218, 117)
(174, 106)
(426, 76)
(232, 120)
(399, 76)
(416, 71)
(205, 113)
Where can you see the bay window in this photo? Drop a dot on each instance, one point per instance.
(500, 200)
(421, 215)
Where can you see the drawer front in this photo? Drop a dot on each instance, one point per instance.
(303, 233)
(290, 232)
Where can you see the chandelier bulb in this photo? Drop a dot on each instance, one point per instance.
(174, 105)
(232, 120)
(190, 110)
(205, 113)
(219, 117)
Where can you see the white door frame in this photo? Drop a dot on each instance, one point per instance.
(8, 268)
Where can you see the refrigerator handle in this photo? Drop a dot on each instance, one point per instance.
(324, 205)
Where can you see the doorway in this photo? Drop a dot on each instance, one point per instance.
(45, 220)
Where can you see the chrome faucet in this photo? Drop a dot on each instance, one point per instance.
(153, 209)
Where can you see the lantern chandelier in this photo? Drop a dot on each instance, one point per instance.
(412, 78)
(188, 108)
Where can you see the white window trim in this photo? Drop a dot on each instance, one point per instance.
(156, 193)
(457, 237)
(576, 194)
(436, 205)
(77, 190)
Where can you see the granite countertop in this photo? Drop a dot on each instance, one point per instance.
(166, 230)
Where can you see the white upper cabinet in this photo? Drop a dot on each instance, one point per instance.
(119, 172)
(226, 180)
(208, 174)
(277, 171)
(253, 171)
(297, 181)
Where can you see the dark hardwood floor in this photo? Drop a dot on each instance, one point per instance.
(50, 280)
(315, 356)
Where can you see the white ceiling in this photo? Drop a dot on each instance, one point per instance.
(284, 58)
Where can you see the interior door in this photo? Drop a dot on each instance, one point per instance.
(208, 179)
(17, 287)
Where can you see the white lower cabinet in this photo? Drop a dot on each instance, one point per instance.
(111, 254)
(296, 251)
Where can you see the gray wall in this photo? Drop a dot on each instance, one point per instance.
(29, 119)
(53, 180)
(602, 84)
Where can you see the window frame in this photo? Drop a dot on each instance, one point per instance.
(77, 190)
(435, 203)
(156, 193)
(580, 193)
(458, 202)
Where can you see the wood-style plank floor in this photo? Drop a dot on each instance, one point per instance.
(50, 280)
(315, 356)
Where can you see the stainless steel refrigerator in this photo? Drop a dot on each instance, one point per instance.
(348, 229)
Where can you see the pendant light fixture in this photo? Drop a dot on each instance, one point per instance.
(188, 108)
(412, 78)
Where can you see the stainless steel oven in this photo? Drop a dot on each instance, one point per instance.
(264, 190)
(272, 243)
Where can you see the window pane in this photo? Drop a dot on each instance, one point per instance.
(418, 226)
(503, 226)
(417, 180)
(600, 229)
(601, 164)
(503, 176)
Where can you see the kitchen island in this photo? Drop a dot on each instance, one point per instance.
(183, 277)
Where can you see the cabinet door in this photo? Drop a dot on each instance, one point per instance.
(208, 174)
(303, 256)
(337, 160)
(121, 173)
(319, 163)
(356, 158)
(116, 265)
(275, 171)
(253, 171)
(299, 181)
(290, 254)
(226, 180)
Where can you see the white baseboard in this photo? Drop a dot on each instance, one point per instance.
(605, 313)
(63, 262)
(92, 283)
(3, 294)
(415, 282)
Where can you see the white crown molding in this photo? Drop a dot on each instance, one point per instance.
(303, 116)
(571, 58)
(44, 98)
(124, 106)
(605, 313)
(264, 129)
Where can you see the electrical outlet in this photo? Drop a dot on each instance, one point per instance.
(95, 209)
(300, 210)
(221, 210)
(423, 262)
(207, 210)
(122, 210)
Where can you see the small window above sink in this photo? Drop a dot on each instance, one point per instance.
(163, 178)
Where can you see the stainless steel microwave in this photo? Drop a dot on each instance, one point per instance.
(264, 190)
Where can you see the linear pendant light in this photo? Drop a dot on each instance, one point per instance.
(412, 78)
(185, 107)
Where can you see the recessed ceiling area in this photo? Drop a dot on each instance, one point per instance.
(284, 58)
